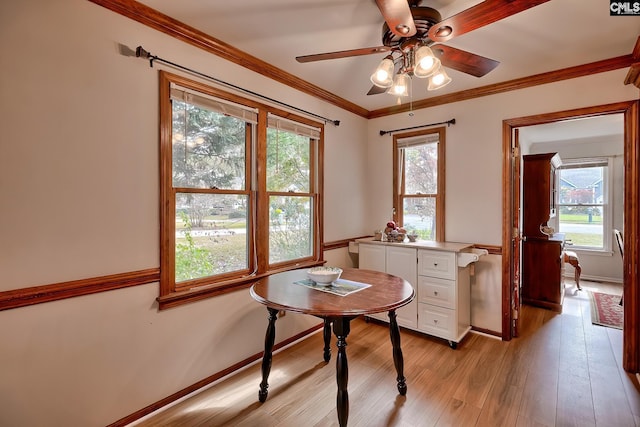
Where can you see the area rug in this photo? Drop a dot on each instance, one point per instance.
(606, 310)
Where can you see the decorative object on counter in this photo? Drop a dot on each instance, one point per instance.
(394, 233)
(377, 235)
(412, 236)
(545, 229)
(396, 237)
(324, 275)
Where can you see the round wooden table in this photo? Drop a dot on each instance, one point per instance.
(383, 293)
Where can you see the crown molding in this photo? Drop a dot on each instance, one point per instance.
(179, 30)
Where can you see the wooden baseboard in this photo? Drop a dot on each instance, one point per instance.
(209, 380)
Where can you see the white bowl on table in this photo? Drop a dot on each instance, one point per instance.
(324, 275)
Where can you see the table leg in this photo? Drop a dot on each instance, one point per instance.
(341, 327)
(398, 359)
(269, 339)
(327, 339)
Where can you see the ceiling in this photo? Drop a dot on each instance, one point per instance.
(552, 36)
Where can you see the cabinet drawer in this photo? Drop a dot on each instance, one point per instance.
(437, 264)
(436, 321)
(440, 292)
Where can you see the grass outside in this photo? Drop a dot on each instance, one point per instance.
(217, 222)
(202, 256)
(224, 253)
(580, 219)
(586, 240)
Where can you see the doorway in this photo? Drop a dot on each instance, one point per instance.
(510, 285)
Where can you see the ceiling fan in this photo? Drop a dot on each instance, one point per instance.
(412, 34)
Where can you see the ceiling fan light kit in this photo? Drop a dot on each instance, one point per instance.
(425, 62)
(383, 75)
(419, 61)
(439, 79)
(400, 85)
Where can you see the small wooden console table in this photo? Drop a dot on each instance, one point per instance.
(386, 293)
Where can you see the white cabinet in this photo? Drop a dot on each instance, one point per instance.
(437, 264)
(442, 306)
(401, 262)
(398, 261)
(372, 257)
(444, 296)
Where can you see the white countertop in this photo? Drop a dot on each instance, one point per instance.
(422, 244)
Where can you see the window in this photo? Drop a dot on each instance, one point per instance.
(289, 188)
(240, 190)
(418, 188)
(583, 203)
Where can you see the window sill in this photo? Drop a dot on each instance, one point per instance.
(175, 299)
(585, 251)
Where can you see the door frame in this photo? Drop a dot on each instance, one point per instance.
(631, 290)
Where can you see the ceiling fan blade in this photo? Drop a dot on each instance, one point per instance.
(397, 15)
(375, 90)
(464, 61)
(636, 49)
(633, 75)
(342, 54)
(485, 13)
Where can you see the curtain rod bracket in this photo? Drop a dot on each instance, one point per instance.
(448, 123)
(145, 54)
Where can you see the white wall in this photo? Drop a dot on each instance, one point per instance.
(80, 198)
(474, 166)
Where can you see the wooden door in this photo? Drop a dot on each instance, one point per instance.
(516, 282)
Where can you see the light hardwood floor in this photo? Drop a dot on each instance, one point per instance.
(561, 371)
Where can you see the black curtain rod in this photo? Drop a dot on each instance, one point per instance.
(142, 53)
(448, 123)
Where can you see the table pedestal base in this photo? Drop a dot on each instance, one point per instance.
(269, 339)
(398, 359)
(341, 328)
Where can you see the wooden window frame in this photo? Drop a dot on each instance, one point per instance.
(399, 185)
(607, 223)
(172, 294)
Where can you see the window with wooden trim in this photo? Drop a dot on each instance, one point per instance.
(419, 185)
(583, 207)
(240, 190)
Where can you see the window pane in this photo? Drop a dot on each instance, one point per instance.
(581, 197)
(211, 235)
(421, 169)
(208, 148)
(582, 185)
(290, 228)
(419, 215)
(287, 161)
(582, 225)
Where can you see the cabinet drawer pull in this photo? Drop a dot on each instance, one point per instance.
(435, 264)
(435, 321)
(435, 293)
